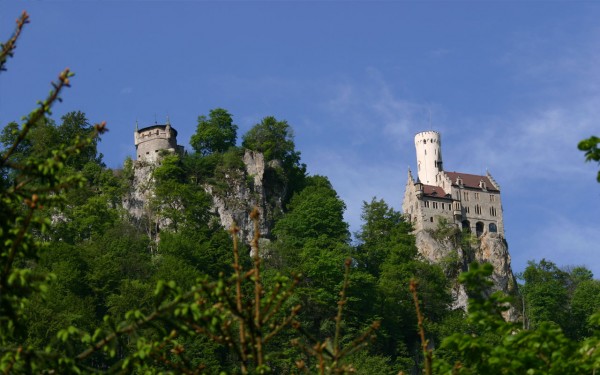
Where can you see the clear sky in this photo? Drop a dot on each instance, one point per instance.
(511, 86)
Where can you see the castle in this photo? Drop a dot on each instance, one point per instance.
(149, 141)
(469, 201)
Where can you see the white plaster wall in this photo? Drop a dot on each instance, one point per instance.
(429, 156)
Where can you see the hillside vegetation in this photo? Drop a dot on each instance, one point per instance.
(86, 288)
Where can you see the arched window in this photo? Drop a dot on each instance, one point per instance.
(466, 225)
(479, 228)
(493, 228)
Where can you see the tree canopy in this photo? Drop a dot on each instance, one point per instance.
(215, 133)
(591, 149)
(84, 288)
(274, 138)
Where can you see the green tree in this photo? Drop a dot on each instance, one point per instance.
(107, 270)
(316, 212)
(46, 136)
(38, 184)
(275, 139)
(546, 294)
(591, 149)
(382, 229)
(215, 133)
(500, 347)
(175, 200)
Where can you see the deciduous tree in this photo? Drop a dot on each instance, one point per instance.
(215, 133)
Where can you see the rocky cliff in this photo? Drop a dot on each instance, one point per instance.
(455, 255)
(248, 188)
(236, 192)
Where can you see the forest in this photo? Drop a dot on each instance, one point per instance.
(86, 288)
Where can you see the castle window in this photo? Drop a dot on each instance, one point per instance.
(492, 198)
(479, 228)
(443, 207)
(466, 196)
(427, 204)
(431, 219)
(147, 152)
(476, 196)
(466, 225)
(478, 209)
(492, 211)
(435, 205)
(467, 210)
(493, 228)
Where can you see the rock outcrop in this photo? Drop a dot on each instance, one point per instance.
(234, 194)
(136, 200)
(246, 189)
(455, 257)
(493, 249)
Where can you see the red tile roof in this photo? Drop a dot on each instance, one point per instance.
(471, 180)
(434, 192)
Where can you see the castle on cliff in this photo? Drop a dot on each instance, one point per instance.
(469, 201)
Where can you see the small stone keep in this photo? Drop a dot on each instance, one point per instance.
(149, 141)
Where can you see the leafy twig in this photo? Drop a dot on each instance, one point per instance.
(424, 342)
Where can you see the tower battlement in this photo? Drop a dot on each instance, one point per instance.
(428, 145)
(149, 141)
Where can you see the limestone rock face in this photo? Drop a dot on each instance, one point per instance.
(494, 250)
(434, 250)
(246, 190)
(135, 201)
(234, 196)
(489, 248)
(444, 251)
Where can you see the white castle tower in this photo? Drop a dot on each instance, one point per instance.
(429, 156)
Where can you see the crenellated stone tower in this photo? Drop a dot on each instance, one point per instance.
(149, 141)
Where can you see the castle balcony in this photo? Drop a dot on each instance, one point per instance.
(457, 208)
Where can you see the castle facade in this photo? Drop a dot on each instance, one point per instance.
(468, 201)
(149, 141)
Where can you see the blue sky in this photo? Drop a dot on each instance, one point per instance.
(512, 87)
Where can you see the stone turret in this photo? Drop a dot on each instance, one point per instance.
(429, 156)
(149, 141)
